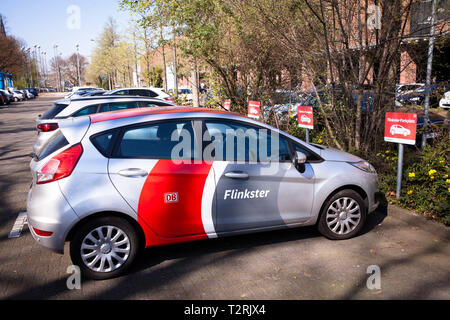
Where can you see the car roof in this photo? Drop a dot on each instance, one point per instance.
(130, 88)
(115, 97)
(122, 114)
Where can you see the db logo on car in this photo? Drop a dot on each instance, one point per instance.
(171, 197)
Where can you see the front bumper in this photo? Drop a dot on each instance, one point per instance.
(444, 103)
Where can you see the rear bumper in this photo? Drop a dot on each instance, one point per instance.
(48, 210)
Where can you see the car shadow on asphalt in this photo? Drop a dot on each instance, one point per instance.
(155, 255)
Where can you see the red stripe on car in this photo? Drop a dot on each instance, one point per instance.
(170, 202)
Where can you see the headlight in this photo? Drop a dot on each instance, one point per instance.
(364, 166)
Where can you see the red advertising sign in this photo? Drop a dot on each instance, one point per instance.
(227, 104)
(254, 109)
(400, 127)
(305, 117)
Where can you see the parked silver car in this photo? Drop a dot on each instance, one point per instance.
(116, 182)
(72, 108)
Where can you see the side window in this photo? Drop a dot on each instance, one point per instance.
(136, 92)
(233, 141)
(103, 142)
(309, 155)
(103, 108)
(145, 104)
(122, 105)
(86, 111)
(122, 92)
(151, 93)
(154, 141)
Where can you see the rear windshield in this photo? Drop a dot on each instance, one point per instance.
(55, 143)
(53, 112)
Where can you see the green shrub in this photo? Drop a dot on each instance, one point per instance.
(425, 181)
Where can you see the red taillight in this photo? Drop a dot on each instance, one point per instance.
(42, 233)
(169, 99)
(47, 127)
(60, 166)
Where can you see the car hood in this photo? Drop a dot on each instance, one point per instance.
(332, 154)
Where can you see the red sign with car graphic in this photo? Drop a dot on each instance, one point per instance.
(400, 127)
(305, 117)
(254, 109)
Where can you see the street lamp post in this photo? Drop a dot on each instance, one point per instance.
(39, 67)
(78, 65)
(58, 74)
(44, 68)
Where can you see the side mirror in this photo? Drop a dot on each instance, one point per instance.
(299, 161)
(300, 158)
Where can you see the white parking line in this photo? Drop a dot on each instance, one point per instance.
(18, 225)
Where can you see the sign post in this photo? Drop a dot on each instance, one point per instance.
(400, 128)
(254, 109)
(305, 119)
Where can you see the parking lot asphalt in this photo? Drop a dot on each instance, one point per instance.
(412, 253)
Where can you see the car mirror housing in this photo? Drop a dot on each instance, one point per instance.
(300, 158)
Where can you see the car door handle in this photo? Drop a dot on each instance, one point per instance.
(236, 175)
(133, 172)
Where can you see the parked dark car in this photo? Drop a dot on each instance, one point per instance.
(7, 97)
(3, 99)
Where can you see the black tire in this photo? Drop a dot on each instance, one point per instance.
(323, 223)
(88, 227)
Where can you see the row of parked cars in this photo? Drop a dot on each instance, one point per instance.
(15, 95)
(414, 94)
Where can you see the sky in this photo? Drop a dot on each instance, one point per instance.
(65, 23)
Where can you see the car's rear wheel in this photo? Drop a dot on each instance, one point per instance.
(104, 247)
(343, 215)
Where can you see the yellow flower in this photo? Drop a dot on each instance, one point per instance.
(448, 189)
(446, 176)
(432, 177)
(447, 181)
(387, 151)
(442, 161)
(320, 140)
(431, 172)
(409, 192)
(412, 175)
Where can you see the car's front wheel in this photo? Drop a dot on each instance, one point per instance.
(104, 247)
(343, 215)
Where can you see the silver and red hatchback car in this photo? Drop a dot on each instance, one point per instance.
(116, 182)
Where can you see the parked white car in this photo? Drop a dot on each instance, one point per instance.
(28, 94)
(445, 101)
(144, 92)
(18, 96)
